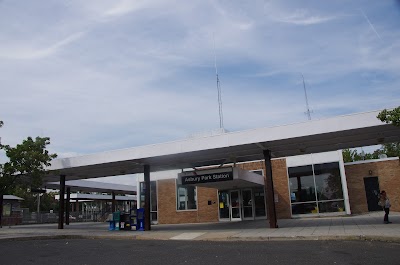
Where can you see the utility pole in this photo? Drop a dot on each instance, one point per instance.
(308, 112)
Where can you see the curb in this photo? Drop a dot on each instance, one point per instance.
(227, 239)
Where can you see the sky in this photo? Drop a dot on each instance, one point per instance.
(99, 75)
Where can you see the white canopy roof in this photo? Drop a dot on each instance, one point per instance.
(95, 186)
(361, 129)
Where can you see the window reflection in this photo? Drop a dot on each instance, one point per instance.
(316, 189)
(186, 198)
(301, 181)
(328, 181)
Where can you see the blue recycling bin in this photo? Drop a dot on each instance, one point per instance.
(111, 226)
(140, 219)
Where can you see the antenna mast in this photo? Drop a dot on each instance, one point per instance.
(308, 112)
(221, 116)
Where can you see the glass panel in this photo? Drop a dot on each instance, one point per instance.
(247, 204)
(235, 199)
(6, 210)
(223, 204)
(332, 206)
(191, 198)
(235, 213)
(181, 200)
(186, 198)
(235, 204)
(328, 181)
(304, 208)
(247, 198)
(153, 195)
(301, 182)
(259, 202)
(248, 212)
(142, 195)
(153, 216)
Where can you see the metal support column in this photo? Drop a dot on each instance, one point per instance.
(61, 203)
(112, 202)
(147, 221)
(269, 190)
(67, 205)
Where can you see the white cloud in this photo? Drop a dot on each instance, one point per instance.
(106, 75)
(125, 7)
(303, 17)
(31, 53)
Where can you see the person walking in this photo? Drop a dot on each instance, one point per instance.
(385, 203)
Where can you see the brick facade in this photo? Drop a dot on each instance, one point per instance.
(168, 214)
(280, 179)
(388, 173)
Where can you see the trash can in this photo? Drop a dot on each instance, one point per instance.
(140, 219)
(111, 223)
(125, 221)
(117, 219)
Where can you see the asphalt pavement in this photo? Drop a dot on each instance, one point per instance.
(154, 252)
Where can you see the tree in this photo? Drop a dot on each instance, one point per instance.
(390, 116)
(26, 166)
(353, 155)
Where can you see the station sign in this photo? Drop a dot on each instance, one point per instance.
(206, 178)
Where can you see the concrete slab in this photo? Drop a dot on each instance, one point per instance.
(360, 227)
(186, 236)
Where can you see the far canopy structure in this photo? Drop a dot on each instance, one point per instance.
(90, 186)
(94, 186)
(315, 136)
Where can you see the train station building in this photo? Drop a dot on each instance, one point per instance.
(277, 172)
(305, 186)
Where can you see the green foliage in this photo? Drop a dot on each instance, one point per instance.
(390, 116)
(26, 165)
(353, 155)
(390, 150)
(47, 200)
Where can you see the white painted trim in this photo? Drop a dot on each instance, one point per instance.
(345, 190)
(371, 161)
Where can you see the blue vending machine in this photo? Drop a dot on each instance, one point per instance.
(140, 219)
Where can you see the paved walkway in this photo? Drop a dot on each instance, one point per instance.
(359, 227)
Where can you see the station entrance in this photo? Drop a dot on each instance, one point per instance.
(241, 194)
(241, 204)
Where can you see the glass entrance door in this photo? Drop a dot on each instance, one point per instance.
(247, 202)
(235, 205)
(224, 206)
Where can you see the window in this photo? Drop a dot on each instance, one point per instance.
(6, 210)
(316, 189)
(153, 199)
(301, 182)
(186, 197)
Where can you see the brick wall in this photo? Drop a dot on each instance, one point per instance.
(281, 189)
(280, 178)
(388, 173)
(167, 213)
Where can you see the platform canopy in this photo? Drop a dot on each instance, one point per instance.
(356, 130)
(94, 186)
(96, 197)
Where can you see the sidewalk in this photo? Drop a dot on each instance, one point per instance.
(360, 227)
